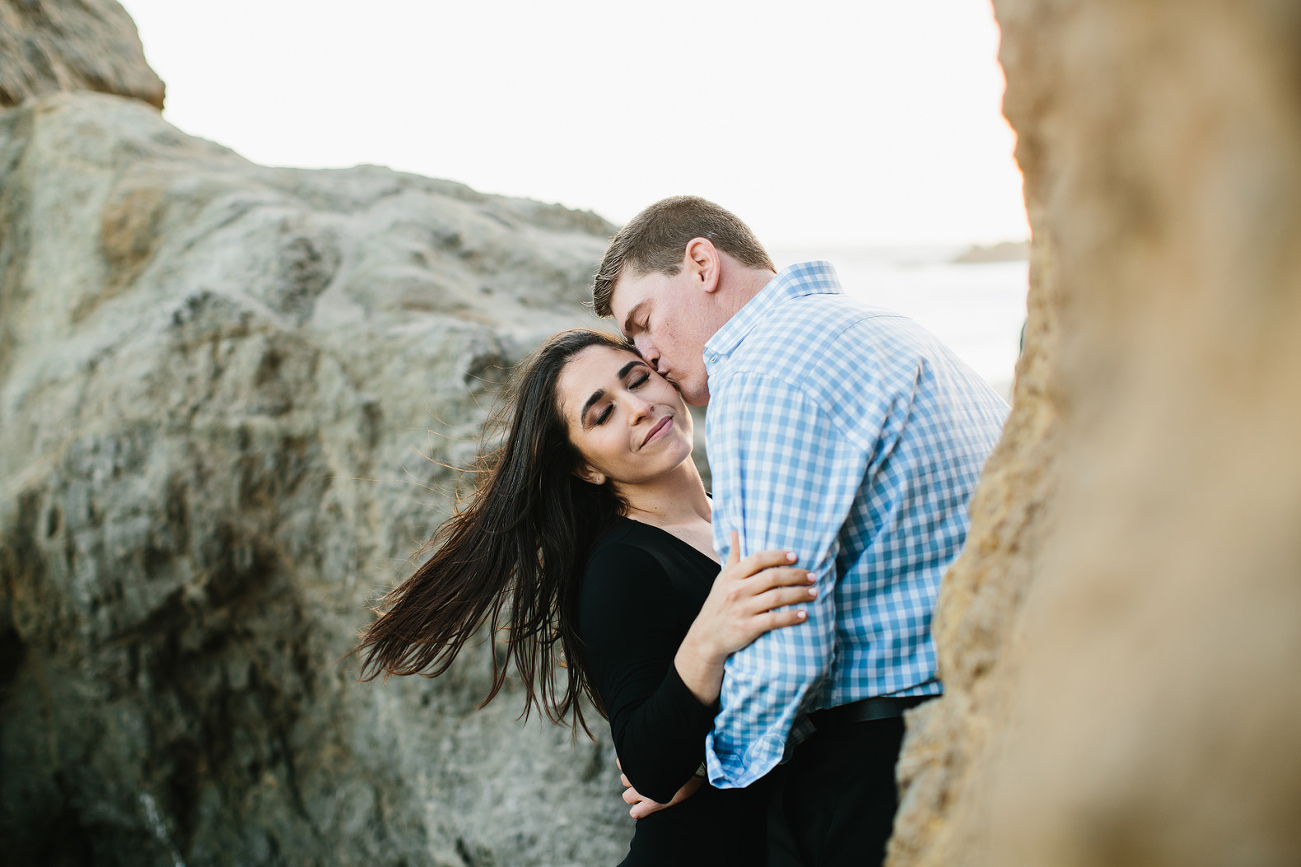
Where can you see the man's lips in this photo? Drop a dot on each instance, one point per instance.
(662, 424)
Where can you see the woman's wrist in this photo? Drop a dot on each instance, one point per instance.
(699, 675)
(700, 644)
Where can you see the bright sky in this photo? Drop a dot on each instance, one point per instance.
(842, 123)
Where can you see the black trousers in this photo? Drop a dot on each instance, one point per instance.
(834, 802)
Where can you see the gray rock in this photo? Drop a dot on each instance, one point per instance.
(233, 401)
(53, 45)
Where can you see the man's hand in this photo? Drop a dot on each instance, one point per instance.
(643, 806)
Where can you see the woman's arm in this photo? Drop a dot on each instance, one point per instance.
(643, 806)
(749, 597)
(633, 623)
(632, 618)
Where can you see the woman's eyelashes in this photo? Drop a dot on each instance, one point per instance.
(637, 379)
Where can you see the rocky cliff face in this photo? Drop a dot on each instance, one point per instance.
(57, 45)
(1120, 637)
(233, 401)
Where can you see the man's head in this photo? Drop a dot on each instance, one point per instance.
(672, 277)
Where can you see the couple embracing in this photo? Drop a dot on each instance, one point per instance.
(756, 710)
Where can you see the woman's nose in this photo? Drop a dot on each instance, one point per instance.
(638, 408)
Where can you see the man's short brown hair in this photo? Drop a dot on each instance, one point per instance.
(656, 240)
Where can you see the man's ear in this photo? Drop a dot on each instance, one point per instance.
(590, 475)
(703, 263)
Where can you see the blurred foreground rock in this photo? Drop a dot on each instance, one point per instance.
(232, 400)
(54, 45)
(1121, 636)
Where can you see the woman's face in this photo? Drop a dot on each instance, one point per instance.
(629, 424)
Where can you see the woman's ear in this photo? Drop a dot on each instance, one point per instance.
(590, 475)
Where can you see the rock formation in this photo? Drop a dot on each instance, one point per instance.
(234, 400)
(53, 45)
(1120, 637)
(1004, 251)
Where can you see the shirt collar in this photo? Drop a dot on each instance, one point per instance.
(804, 278)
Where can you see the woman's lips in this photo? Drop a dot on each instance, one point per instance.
(659, 428)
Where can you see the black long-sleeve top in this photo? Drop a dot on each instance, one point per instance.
(642, 589)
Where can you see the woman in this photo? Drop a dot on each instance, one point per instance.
(587, 544)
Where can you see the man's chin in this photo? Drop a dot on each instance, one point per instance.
(696, 398)
(692, 395)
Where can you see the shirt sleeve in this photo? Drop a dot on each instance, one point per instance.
(632, 622)
(784, 477)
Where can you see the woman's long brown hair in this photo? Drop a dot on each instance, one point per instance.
(512, 557)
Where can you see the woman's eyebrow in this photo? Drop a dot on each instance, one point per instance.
(600, 392)
(596, 395)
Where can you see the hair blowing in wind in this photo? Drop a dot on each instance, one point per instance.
(511, 558)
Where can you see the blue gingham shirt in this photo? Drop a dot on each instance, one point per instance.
(853, 437)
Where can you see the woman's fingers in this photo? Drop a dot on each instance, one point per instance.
(761, 560)
(779, 577)
(784, 617)
(795, 585)
(751, 596)
(642, 809)
(774, 608)
(756, 594)
(766, 621)
(783, 596)
(756, 562)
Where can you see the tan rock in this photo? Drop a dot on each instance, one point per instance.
(1121, 636)
(53, 45)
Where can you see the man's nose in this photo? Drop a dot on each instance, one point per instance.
(646, 349)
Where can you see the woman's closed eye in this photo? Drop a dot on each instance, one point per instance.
(634, 375)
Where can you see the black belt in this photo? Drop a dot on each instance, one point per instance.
(865, 710)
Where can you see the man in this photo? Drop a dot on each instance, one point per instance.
(846, 434)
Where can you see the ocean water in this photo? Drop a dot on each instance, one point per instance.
(977, 309)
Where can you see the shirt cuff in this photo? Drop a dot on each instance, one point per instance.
(729, 769)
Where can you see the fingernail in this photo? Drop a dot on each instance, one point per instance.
(810, 577)
(790, 555)
(813, 591)
(801, 615)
